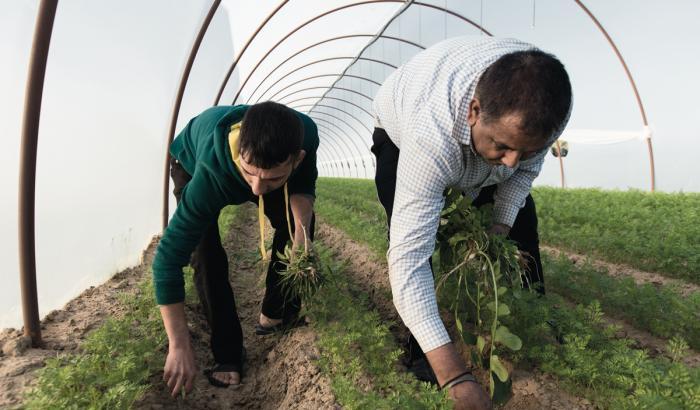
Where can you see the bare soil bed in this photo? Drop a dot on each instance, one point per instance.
(619, 270)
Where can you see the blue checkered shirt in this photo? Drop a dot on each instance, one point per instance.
(423, 107)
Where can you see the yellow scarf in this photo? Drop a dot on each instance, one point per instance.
(233, 145)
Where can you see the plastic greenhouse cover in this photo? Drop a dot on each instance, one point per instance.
(114, 68)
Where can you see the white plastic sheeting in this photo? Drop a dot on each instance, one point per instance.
(114, 67)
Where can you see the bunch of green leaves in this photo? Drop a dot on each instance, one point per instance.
(302, 273)
(481, 269)
(651, 231)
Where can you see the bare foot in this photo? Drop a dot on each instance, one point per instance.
(231, 378)
(268, 322)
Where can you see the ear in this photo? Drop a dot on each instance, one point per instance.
(474, 111)
(300, 157)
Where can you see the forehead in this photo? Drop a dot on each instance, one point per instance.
(279, 171)
(507, 131)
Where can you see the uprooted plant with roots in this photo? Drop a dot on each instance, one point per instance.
(302, 273)
(476, 271)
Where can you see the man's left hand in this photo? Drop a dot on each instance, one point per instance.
(499, 229)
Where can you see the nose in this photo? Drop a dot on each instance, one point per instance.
(257, 187)
(511, 158)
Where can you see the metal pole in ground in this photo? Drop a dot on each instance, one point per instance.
(27, 172)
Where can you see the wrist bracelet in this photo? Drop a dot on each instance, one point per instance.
(464, 377)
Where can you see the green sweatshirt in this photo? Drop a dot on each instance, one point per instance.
(203, 151)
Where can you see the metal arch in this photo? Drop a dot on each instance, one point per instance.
(330, 149)
(321, 76)
(332, 144)
(359, 151)
(406, 6)
(329, 12)
(326, 13)
(325, 88)
(337, 141)
(178, 102)
(33, 94)
(339, 153)
(243, 50)
(332, 98)
(335, 108)
(323, 121)
(359, 134)
(317, 62)
(632, 83)
(328, 41)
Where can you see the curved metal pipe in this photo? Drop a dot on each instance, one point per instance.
(338, 141)
(325, 88)
(405, 7)
(359, 134)
(27, 170)
(328, 41)
(178, 102)
(317, 62)
(332, 145)
(245, 47)
(360, 153)
(333, 137)
(337, 109)
(632, 83)
(331, 98)
(322, 76)
(329, 12)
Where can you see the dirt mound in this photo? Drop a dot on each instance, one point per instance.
(530, 390)
(619, 270)
(63, 330)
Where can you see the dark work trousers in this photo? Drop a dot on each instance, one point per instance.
(523, 232)
(210, 265)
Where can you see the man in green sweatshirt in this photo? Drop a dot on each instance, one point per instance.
(229, 155)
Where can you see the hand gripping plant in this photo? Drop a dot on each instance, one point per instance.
(301, 276)
(476, 271)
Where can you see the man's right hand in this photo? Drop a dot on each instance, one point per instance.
(180, 366)
(180, 369)
(447, 364)
(469, 396)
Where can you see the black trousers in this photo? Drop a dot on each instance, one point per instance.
(210, 264)
(523, 232)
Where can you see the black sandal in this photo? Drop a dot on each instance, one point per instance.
(226, 368)
(261, 330)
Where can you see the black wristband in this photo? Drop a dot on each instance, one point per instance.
(462, 377)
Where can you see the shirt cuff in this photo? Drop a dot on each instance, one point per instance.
(430, 333)
(169, 292)
(505, 213)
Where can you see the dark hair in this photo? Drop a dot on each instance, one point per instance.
(270, 134)
(530, 83)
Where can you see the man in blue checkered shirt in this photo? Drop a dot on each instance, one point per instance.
(478, 115)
